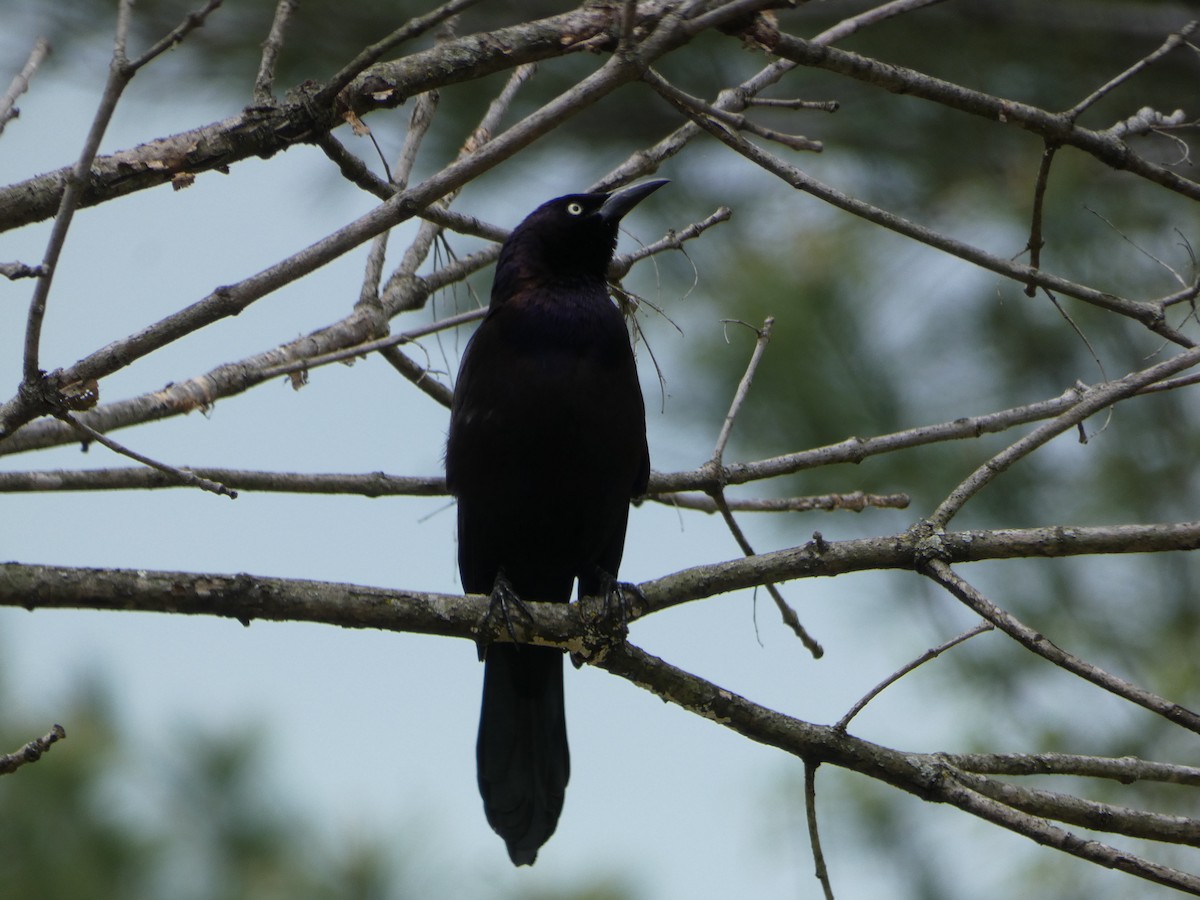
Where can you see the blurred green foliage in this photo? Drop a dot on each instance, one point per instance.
(101, 818)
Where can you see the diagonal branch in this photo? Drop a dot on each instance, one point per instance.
(276, 598)
(32, 751)
(179, 476)
(1038, 643)
(264, 81)
(262, 132)
(918, 774)
(1091, 402)
(1149, 314)
(1058, 128)
(20, 82)
(233, 299)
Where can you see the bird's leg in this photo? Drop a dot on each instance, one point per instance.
(620, 603)
(502, 597)
(623, 600)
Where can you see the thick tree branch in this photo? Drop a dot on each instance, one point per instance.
(300, 118)
(246, 596)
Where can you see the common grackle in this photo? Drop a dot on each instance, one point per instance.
(547, 446)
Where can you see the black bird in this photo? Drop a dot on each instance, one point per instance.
(547, 446)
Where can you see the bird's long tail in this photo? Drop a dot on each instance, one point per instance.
(522, 756)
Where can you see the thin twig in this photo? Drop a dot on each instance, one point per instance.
(372, 54)
(120, 71)
(743, 389)
(32, 751)
(264, 81)
(118, 77)
(734, 120)
(1186, 295)
(856, 501)
(789, 616)
(1038, 643)
(182, 475)
(829, 106)
(1036, 241)
(14, 270)
(1149, 314)
(418, 375)
(1091, 402)
(1178, 39)
(717, 492)
(814, 837)
(925, 657)
(191, 21)
(419, 123)
(363, 349)
(1126, 769)
(847, 27)
(1084, 813)
(20, 82)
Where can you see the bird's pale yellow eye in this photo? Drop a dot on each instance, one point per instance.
(574, 209)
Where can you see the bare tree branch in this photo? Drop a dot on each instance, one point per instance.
(905, 550)
(32, 751)
(264, 82)
(20, 82)
(1038, 643)
(925, 657)
(1149, 314)
(623, 40)
(1059, 128)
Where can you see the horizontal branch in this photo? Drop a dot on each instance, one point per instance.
(367, 484)
(1088, 813)
(908, 550)
(568, 625)
(856, 449)
(1125, 769)
(577, 627)
(574, 627)
(250, 597)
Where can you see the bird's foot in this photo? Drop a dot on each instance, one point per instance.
(503, 598)
(608, 609)
(623, 600)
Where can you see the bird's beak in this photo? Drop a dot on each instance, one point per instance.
(621, 201)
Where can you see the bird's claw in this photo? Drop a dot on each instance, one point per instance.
(503, 597)
(609, 611)
(622, 601)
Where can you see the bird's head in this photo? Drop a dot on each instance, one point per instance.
(571, 237)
